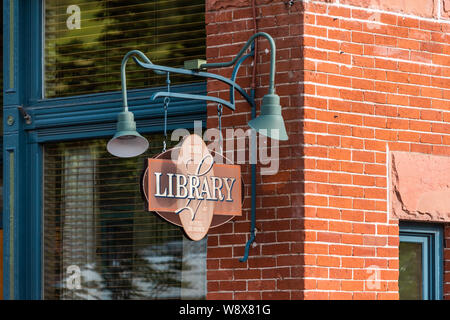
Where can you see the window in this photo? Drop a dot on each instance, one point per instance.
(421, 261)
(86, 40)
(1, 118)
(99, 241)
(62, 66)
(61, 181)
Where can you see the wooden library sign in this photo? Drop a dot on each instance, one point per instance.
(187, 188)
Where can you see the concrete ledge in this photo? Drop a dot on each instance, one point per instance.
(420, 186)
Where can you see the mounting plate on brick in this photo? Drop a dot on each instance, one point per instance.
(194, 64)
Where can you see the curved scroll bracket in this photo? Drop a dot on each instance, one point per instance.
(233, 85)
(192, 97)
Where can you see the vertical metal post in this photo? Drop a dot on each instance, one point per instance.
(253, 177)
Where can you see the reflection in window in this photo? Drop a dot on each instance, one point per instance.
(99, 242)
(86, 40)
(1, 116)
(410, 278)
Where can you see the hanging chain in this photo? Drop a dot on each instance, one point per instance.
(219, 115)
(166, 106)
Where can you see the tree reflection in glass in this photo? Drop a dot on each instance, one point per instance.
(410, 276)
(85, 57)
(95, 222)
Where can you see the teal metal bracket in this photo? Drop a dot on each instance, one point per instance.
(237, 62)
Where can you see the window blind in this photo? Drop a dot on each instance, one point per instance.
(85, 42)
(1, 120)
(99, 242)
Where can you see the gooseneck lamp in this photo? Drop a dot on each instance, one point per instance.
(127, 142)
(270, 122)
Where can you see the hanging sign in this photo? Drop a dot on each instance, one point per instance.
(193, 191)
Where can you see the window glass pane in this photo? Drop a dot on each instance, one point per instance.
(86, 40)
(410, 278)
(99, 242)
(1, 114)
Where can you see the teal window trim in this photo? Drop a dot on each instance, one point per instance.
(431, 237)
(58, 119)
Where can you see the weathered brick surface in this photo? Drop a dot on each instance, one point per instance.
(355, 83)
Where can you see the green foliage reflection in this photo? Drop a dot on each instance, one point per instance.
(87, 59)
(95, 220)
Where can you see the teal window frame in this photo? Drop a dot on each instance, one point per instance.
(56, 119)
(431, 237)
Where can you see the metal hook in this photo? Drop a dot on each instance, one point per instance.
(219, 115)
(166, 106)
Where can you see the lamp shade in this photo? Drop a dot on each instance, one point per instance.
(270, 121)
(127, 142)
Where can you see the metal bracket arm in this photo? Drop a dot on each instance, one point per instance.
(237, 61)
(230, 82)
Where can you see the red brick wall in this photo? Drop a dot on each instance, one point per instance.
(373, 82)
(274, 269)
(354, 83)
